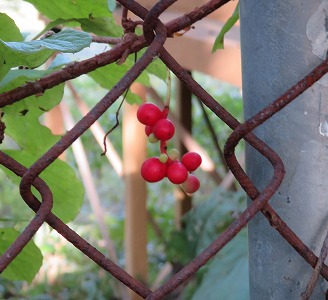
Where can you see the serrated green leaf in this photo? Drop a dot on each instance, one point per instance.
(26, 264)
(68, 9)
(8, 30)
(219, 41)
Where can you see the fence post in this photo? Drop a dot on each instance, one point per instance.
(281, 41)
(134, 153)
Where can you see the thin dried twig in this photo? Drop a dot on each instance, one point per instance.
(115, 125)
(316, 271)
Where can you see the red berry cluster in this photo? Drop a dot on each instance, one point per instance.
(159, 128)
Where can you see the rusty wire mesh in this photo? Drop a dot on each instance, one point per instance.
(155, 35)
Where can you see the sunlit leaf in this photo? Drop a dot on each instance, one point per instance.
(68, 9)
(9, 32)
(26, 264)
(34, 53)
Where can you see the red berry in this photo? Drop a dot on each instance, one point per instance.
(191, 185)
(152, 170)
(177, 172)
(163, 129)
(148, 113)
(148, 130)
(191, 160)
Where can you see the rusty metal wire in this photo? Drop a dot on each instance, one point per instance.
(155, 35)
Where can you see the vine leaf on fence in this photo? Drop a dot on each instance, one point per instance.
(32, 54)
(66, 188)
(8, 32)
(26, 264)
(219, 41)
(33, 140)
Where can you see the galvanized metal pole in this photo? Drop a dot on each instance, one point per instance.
(282, 41)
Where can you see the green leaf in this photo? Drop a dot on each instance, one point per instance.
(176, 249)
(156, 67)
(109, 75)
(209, 219)
(19, 77)
(101, 26)
(33, 139)
(67, 189)
(26, 264)
(219, 41)
(8, 29)
(105, 26)
(68, 9)
(34, 53)
(35, 105)
(226, 276)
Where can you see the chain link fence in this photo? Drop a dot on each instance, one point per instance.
(155, 35)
